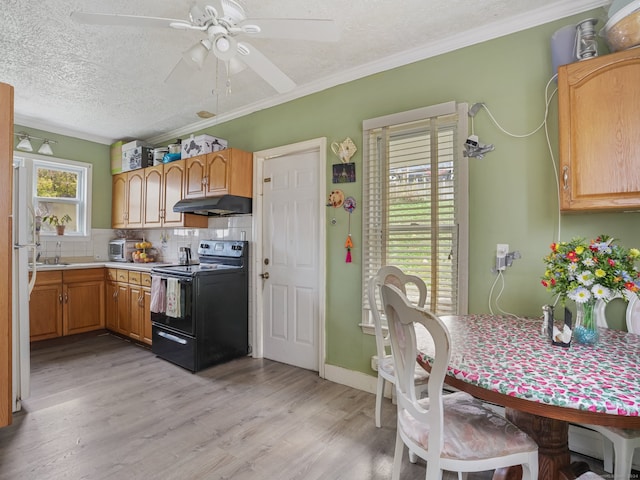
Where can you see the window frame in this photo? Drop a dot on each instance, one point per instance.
(460, 177)
(85, 182)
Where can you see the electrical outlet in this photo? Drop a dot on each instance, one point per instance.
(502, 249)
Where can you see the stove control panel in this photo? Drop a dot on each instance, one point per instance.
(221, 248)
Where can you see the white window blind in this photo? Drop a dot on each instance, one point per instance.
(414, 200)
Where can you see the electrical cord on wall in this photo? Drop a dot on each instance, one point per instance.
(499, 276)
(544, 124)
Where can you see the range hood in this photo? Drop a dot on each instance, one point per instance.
(223, 205)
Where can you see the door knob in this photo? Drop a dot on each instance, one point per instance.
(265, 275)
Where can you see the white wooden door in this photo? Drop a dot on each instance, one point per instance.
(291, 246)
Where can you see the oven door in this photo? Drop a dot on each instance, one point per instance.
(182, 318)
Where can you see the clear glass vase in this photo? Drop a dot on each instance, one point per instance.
(586, 328)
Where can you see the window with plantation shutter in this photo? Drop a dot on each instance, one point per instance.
(415, 191)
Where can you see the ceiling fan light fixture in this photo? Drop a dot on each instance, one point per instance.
(45, 148)
(223, 44)
(196, 55)
(24, 143)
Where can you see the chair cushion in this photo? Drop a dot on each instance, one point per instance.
(386, 365)
(471, 431)
(590, 476)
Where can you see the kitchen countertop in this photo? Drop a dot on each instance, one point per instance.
(143, 267)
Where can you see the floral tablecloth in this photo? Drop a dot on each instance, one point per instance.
(511, 356)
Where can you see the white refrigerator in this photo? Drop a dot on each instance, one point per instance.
(24, 255)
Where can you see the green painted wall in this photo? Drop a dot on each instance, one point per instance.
(512, 190)
(97, 154)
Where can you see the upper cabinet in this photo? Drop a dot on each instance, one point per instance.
(163, 188)
(599, 138)
(144, 198)
(127, 199)
(225, 172)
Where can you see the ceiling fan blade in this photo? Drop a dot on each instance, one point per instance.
(125, 20)
(265, 68)
(319, 30)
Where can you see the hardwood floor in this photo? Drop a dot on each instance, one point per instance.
(104, 408)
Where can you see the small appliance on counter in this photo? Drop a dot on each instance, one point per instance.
(184, 256)
(121, 249)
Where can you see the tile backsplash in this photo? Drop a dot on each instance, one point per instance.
(167, 241)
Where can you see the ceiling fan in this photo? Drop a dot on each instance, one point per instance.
(222, 32)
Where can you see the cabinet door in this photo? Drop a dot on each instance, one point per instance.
(136, 310)
(599, 134)
(135, 198)
(119, 201)
(153, 196)
(218, 173)
(111, 306)
(83, 306)
(123, 319)
(195, 173)
(174, 185)
(45, 312)
(146, 315)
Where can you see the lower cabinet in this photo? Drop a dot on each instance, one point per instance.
(128, 303)
(45, 306)
(67, 302)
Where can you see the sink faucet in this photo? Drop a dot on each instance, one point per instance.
(56, 259)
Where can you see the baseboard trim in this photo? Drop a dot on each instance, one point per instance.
(350, 378)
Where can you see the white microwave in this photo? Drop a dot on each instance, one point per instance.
(120, 249)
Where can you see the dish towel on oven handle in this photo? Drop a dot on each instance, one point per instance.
(173, 298)
(158, 295)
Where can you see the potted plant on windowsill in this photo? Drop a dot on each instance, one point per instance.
(59, 222)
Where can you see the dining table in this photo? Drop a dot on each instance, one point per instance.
(511, 361)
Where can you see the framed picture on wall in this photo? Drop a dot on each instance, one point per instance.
(344, 172)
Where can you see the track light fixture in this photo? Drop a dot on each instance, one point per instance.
(25, 143)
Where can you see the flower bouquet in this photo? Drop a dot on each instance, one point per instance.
(587, 271)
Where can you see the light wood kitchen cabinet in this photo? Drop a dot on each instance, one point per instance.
(130, 297)
(139, 306)
(599, 134)
(84, 300)
(228, 171)
(117, 309)
(127, 199)
(65, 303)
(45, 306)
(163, 188)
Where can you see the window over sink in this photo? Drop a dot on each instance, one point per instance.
(60, 187)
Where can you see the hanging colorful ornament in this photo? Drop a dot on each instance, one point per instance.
(349, 205)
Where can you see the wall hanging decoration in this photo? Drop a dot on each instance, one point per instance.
(349, 205)
(344, 150)
(344, 172)
(336, 199)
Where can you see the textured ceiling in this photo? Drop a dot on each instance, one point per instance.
(106, 83)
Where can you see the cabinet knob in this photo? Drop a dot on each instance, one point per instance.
(66, 298)
(60, 298)
(565, 177)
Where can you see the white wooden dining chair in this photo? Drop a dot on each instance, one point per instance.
(619, 444)
(452, 431)
(386, 372)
